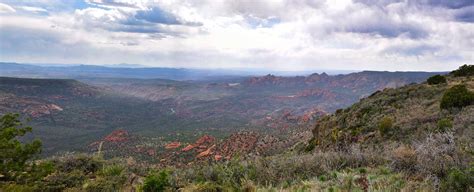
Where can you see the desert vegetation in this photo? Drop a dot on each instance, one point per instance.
(457, 96)
(403, 139)
(436, 79)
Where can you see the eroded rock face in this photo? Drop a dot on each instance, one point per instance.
(201, 144)
(205, 139)
(173, 145)
(187, 148)
(207, 152)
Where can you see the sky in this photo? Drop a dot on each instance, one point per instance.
(288, 35)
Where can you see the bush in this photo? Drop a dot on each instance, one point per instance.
(437, 79)
(156, 182)
(82, 162)
(13, 187)
(111, 178)
(112, 170)
(36, 172)
(457, 96)
(311, 145)
(105, 184)
(437, 154)
(385, 126)
(404, 158)
(205, 187)
(444, 125)
(465, 70)
(458, 180)
(61, 180)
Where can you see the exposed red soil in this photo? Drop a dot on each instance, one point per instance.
(207, 152)
(117, 136)
(173, 145)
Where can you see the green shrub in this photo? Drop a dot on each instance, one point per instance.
(207, 187)
(62, 180)
(457, 96)
(311, 145)
(13, 187)
(458, 180)
(105, 184)
(82, 162)
(156, 182)
(36, 172)
(444, 124)
(112, 170)
(465, 70)
(385, 126)
(437, 79)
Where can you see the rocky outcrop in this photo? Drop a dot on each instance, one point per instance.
(206, 153)
(200, 144)
(117, 136)
(173, 145)
(36, 111)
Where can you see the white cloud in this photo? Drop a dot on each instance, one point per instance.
(33, 9)
(4, 8)
(280, 34)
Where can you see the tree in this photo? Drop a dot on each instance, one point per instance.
(437, 79)
(14, 153)
(465, 70)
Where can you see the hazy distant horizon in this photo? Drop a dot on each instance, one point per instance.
(224, 71)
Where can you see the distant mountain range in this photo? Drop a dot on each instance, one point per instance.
(133, 71)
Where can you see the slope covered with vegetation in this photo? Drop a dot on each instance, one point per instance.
(424, 130)
(415, 138)
(71, 114)
(402, 115)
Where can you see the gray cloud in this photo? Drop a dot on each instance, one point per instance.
(387, 29)
(458, 10)
(25, 43)
(288, 34)
(465, 14)
(377, 22)
(110, 3)
(157, 15)
(451, 4)
(411, 50)
(381, 3)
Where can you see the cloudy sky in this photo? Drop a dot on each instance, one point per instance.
(262, 34)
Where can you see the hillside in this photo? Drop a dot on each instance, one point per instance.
(418, 137)
(71, 114)
(403, 114)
